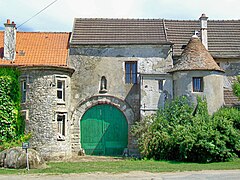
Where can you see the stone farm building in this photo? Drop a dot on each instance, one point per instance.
(82, 91)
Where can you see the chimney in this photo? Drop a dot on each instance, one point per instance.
(9, 40)
(203, 30)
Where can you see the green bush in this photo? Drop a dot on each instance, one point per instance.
(236, 87)
(180, 132)
(11, 123)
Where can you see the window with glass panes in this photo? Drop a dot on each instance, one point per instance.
(131, 72)
(61, 121)
(23, 91)
(61, 90)
(197, 84)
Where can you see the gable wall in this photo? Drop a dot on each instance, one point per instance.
(93, 62)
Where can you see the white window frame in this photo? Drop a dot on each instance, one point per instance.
(61, 90)
(25, 114)
(61, 125)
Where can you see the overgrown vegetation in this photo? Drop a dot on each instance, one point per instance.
(236, 87)
(11, 122)
(180, 132)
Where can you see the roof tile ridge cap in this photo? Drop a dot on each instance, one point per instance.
(224, 20)
(165, 30)
(123, 18)
(43, 32)
(181, 20)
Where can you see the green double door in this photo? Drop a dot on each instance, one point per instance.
(104, 131)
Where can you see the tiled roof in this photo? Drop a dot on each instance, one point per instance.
(118, 31)
(195, 57)
(230, 99)
(179, 32)
(223, 36)
(38, 48)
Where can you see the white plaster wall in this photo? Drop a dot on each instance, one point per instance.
(151, 97)
(213, 87)
(232, 70)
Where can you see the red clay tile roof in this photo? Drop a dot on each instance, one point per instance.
(195, 57)
(230, 99)
(118, 31)
(38, 48)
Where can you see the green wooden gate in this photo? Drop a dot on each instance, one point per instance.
(104, 131)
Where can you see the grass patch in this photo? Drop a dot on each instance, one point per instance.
(125, 166)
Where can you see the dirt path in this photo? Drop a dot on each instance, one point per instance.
(213, 175)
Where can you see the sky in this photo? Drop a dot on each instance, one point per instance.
(59, 17)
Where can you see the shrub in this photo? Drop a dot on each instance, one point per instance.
(236, 87)
(178, 132)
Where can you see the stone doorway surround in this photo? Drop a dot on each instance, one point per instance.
(86, 104)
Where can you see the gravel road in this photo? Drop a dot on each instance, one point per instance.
(190, 175)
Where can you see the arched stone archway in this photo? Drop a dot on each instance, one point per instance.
(83, 106)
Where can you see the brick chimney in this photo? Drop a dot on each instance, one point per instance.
(9, 40)
(203, 30)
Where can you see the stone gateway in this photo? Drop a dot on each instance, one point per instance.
(82, 91)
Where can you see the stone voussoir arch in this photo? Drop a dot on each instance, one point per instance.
(86, 104)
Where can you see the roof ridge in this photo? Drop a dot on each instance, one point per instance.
(41, 32)
(179, 20)
(157, 19)
(165, 29)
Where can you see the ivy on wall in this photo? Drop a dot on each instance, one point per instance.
(11, 123)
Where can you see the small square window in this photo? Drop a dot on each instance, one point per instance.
(197, 84)
(131, 72)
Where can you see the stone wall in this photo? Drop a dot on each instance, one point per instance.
(232, 70)
(42, 106)
(91, 63)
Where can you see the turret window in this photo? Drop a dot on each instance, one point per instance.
(197, 84)
(23, 91)
(61, 125)
(61, 90)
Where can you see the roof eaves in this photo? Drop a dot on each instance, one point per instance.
(195, 69)
(118, 43)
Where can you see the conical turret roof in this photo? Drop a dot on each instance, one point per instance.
(195, 57)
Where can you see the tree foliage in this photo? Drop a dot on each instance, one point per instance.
(180, 132)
